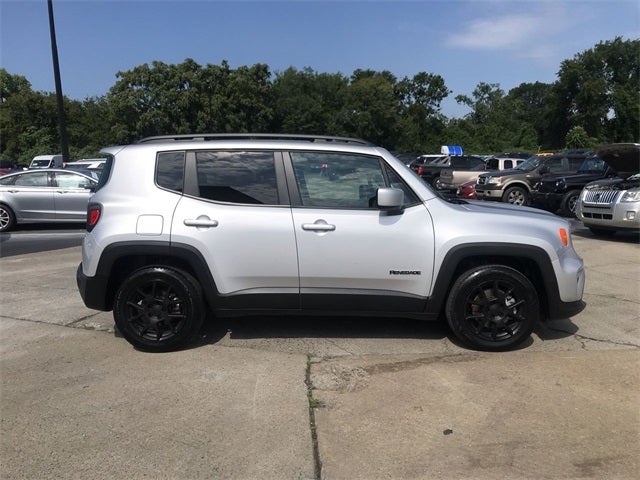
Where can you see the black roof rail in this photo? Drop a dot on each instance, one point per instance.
(253, 136)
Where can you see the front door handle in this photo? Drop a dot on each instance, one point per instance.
(318, 226)
(200, 222)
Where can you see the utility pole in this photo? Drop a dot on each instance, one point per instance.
(56, 73)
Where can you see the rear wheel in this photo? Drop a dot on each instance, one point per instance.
(515, 196)
(492, 307)
(7, 218)
(159, 308)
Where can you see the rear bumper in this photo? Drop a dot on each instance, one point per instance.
(92, 290)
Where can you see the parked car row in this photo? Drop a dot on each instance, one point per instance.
(52, 195)
(600, 188)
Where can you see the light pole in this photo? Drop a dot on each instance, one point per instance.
(56, 73)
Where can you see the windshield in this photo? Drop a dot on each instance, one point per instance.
(40, 163)
(530, 164)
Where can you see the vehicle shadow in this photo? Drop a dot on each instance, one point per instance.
(618, 237)
(296, 327)
(556, 329)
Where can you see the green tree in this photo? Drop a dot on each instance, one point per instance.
(307, 102)
(599, 90)
(420, 99)
(577, 137)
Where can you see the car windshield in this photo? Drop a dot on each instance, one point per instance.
(530, 164)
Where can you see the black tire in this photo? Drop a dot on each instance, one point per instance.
(602, 232)
(569, 203)
(515, 196)
(7, 218)
(159, 309)
(434, 181)
(492, 308)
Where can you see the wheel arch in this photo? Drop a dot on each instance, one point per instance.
(531, 261)
(121, 259)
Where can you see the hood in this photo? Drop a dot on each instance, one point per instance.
(624, 158)
(503, 208)
(501, 173)
(615, 184)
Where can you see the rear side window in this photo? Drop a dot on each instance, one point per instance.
(237, 177)
(170, 170)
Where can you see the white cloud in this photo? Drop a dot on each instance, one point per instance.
(497, 33)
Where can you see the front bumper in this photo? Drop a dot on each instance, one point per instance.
(489, 192)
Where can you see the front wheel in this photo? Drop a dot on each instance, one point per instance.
(492, 307)
(158, 308)
(515, 196)
(7, 218)
(569, 203)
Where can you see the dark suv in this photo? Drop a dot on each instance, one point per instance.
(560, 192)
(513, 186)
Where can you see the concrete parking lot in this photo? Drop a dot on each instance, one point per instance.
(390, 398)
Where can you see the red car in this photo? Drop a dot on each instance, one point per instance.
(467, 190)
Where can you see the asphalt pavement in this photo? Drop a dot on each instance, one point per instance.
(335, 398)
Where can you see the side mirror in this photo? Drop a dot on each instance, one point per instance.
(544, 169)
(390, 199)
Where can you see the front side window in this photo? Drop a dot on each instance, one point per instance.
(334, 180)
(237, 177)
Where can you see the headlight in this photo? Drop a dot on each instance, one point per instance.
(494, 180)
(631, 196)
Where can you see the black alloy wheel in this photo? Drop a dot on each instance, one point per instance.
(159, 308)
(492, 307)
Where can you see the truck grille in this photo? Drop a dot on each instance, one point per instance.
(601, 197)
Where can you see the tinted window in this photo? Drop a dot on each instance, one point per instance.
(555, 165)
(170, 170)
(106, 172)
(237, 177)
(332, 180)
(508, 164)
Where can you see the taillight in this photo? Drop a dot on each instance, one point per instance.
(420, 170)
(94, 211)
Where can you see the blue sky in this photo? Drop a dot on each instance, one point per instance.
(466, 41)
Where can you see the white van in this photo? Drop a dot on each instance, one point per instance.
(46, 161)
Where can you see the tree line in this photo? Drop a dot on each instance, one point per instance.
(595, 99)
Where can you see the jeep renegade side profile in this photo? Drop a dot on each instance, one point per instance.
(185, 227)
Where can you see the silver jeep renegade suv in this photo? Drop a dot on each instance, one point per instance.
(190, 226)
